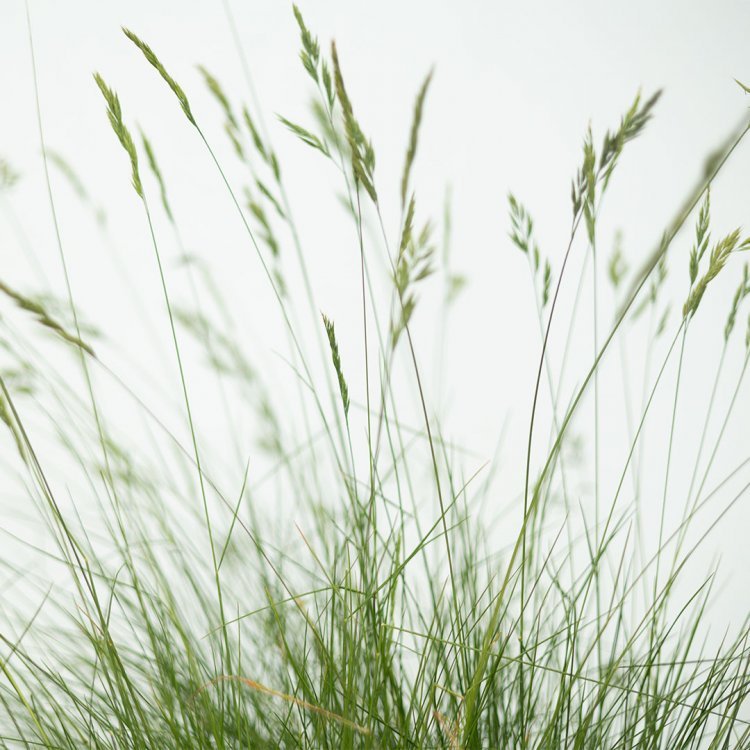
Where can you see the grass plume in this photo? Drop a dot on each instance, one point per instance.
(114, 113)
(151, 57)
(336, 358)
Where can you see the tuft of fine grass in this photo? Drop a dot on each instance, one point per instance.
(333, 571)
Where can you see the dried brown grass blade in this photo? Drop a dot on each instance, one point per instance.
(257, 686)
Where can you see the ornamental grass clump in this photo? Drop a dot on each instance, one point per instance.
(297, 554)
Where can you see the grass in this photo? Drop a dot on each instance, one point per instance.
(174, 602)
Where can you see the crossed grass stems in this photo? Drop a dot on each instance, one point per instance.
(529, 646)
